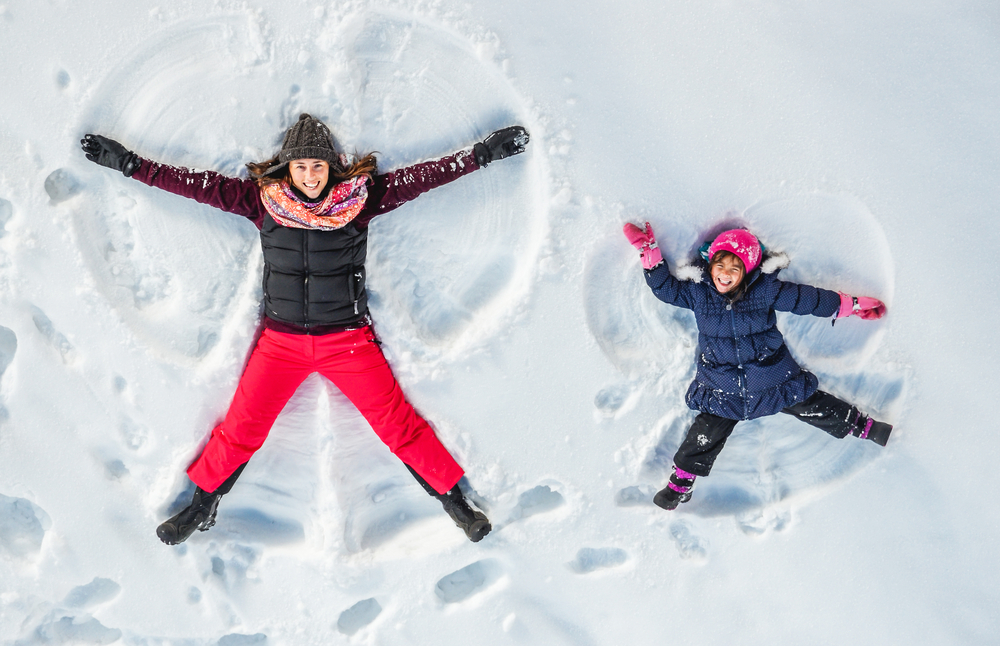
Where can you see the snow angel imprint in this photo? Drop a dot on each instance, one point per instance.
(312, 207)
(744, 369)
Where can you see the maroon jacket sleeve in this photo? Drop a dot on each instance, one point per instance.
(391, 190)
(239, 196)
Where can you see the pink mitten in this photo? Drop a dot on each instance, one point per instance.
(644, 241)
(863, 307)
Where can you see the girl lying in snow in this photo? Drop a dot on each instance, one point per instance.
(312, 207)
(744, 369)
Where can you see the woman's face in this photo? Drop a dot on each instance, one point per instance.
(727, 273)
(309, 175)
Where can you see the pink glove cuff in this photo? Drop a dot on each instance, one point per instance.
(651, 256)
(847, 305)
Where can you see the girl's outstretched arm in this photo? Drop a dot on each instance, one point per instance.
(665, 287)
(806, 299)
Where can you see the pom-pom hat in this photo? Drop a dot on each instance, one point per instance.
(308, 138)
(740, 242)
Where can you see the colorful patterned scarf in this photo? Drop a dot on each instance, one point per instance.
(342, 205)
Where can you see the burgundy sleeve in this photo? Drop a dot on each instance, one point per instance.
(239, 196)
(391, 190)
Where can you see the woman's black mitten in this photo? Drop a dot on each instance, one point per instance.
(110, 154)
(500, 144)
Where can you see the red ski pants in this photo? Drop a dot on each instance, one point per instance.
(353, 361)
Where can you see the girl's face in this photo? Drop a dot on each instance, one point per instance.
(727, 272)
(309, 175)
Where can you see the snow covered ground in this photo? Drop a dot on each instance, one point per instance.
(859, 138)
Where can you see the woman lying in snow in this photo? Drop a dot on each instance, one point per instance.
(744, 368)
(313, 208)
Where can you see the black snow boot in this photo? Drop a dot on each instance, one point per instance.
(474, 523)
(868, 428)
(678, 490)
(199, 515)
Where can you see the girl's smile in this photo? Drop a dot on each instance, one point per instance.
(727, 272)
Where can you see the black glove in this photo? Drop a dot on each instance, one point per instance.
(500, 144)
(110, 153)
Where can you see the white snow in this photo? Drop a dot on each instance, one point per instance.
(860, 139)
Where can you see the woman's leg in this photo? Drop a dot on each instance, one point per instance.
(703, 443)
(354, 363)
(277, 366)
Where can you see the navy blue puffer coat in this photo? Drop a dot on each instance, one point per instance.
(745, 370)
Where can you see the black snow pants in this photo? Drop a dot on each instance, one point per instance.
(708, 433)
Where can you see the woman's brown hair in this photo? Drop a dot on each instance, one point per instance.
(366, 165)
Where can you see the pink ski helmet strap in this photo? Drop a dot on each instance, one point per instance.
(740, 242)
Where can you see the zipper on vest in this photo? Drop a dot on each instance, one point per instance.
(356, 293)
(305, 282)
(739, 360)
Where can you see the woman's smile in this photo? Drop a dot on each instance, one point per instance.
(309, 176)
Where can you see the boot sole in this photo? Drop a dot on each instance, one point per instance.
(879, 433)
(664, 501)
(479, 530)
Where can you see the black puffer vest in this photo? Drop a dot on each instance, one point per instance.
(314, 278)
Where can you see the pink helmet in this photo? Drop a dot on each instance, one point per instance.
(740, 242)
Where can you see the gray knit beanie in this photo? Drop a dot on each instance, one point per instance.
(308, 138)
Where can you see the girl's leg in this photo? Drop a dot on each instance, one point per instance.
(827, 413)
(695, 457)
(838, 418)
(354, 363)
(278, 365)
(703, 443)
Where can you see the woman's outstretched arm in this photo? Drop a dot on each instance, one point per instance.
(391, 190)
(239, 196)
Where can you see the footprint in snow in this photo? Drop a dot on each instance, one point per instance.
(358, 616)
(8, 348)
(92, 594)
(229, 561)
(6, 213)
(537, 500)
(239, 639)
(61, 185)
(54, 337)
(61, 627)
(689, 546)
(22, 527)
(467, 582)
(62, 79)
(540, 499)
(590, 559)
(615, 400)
(70, 622)
(635, 496)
